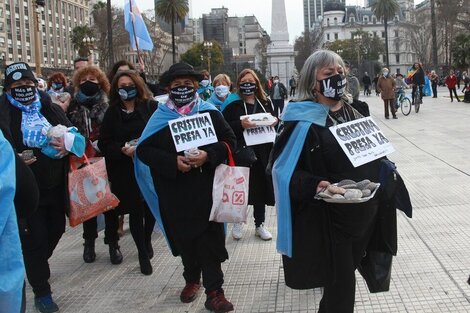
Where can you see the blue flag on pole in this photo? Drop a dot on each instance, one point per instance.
(144, 42)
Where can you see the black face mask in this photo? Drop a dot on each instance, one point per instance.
(127, 93)
(89, 88)
(247, 89)
(333, 86)
(182, 95)
(23, 94)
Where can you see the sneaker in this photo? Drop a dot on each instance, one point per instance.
(263, 233)
(217, 302)
(45, 304)
(395, 118)
(189, 292)
(237, 231)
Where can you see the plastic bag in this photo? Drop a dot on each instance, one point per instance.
(230, 193)
(89, 191)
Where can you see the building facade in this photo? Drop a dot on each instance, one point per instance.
(57, 19)
(340, 22)
(313, 12)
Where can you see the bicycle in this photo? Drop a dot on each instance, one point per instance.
(417, 99)
(402, 102)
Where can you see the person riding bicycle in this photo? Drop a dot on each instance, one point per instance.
(400, 87)
(415, 77)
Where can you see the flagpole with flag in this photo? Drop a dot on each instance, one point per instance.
(135, 26)
(133, 30)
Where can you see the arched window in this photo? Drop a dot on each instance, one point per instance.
(328, 22)
(335, 21)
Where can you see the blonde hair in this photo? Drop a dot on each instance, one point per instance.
(259, 93)
(222, 79)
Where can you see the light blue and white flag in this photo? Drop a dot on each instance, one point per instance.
(135, 25)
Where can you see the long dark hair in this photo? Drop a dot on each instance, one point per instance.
(143, 93)
(116, 67)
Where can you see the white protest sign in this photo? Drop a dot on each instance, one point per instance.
(258, 135)
(362, 141)
(192, 131)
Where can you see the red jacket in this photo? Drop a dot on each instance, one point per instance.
(451, 81)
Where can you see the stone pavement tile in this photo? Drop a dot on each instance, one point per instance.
(429, 272)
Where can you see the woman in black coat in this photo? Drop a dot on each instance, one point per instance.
(178, 186)
(253, 100)
(130, 107)
(26, 116)
(322, 243)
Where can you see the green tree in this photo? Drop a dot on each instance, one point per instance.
(386, 10)
(305, 45)
(172, 11)
(78, 34)
(197, 56)
(461, 51)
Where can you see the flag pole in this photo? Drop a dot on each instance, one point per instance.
(133, 30)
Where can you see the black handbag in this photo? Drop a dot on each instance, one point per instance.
(376, 269)
(244, 155)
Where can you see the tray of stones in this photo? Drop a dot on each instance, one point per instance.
(348, 191)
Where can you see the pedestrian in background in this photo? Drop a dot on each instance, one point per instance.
(293, 86)
(278, 94)
(434, 78)
(253, 100)
(353, 82)
(130, 108)
(367, 83)
(57, 83)
(374, 81)
(451, 82)
(386, 87)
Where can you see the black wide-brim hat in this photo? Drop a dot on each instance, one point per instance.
(179, 70)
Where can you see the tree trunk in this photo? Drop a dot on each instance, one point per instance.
(386, 42)
(110, 35)
(173, 37)
(434, 36)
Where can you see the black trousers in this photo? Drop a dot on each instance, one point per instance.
(292, 91)
(351, 240)
(204, 255)
(389, 103)
(90, 231)
(39, 236)
(141, 223)
(259, 214)
(278, 105)
(434, 90)
(455, 93)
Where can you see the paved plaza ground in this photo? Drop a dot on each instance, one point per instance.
(430, 271)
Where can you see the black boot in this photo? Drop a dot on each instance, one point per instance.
(89, 254)
(115, 254)
(145, 265)
(149, 249)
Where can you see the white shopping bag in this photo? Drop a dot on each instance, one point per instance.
(230, 193)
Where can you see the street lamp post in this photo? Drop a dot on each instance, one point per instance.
(208, 46)
(89, 43)
(37, 37)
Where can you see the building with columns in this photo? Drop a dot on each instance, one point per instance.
(57, 19)
(340, 22)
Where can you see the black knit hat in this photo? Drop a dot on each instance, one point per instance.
(179, 70)
(17, 71)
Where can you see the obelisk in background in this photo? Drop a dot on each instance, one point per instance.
(280, 53)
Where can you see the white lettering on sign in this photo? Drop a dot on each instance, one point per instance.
(362, 141)
(15, 67)
(259, 135)
(192, 131)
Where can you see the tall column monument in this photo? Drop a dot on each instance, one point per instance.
(280, 53)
